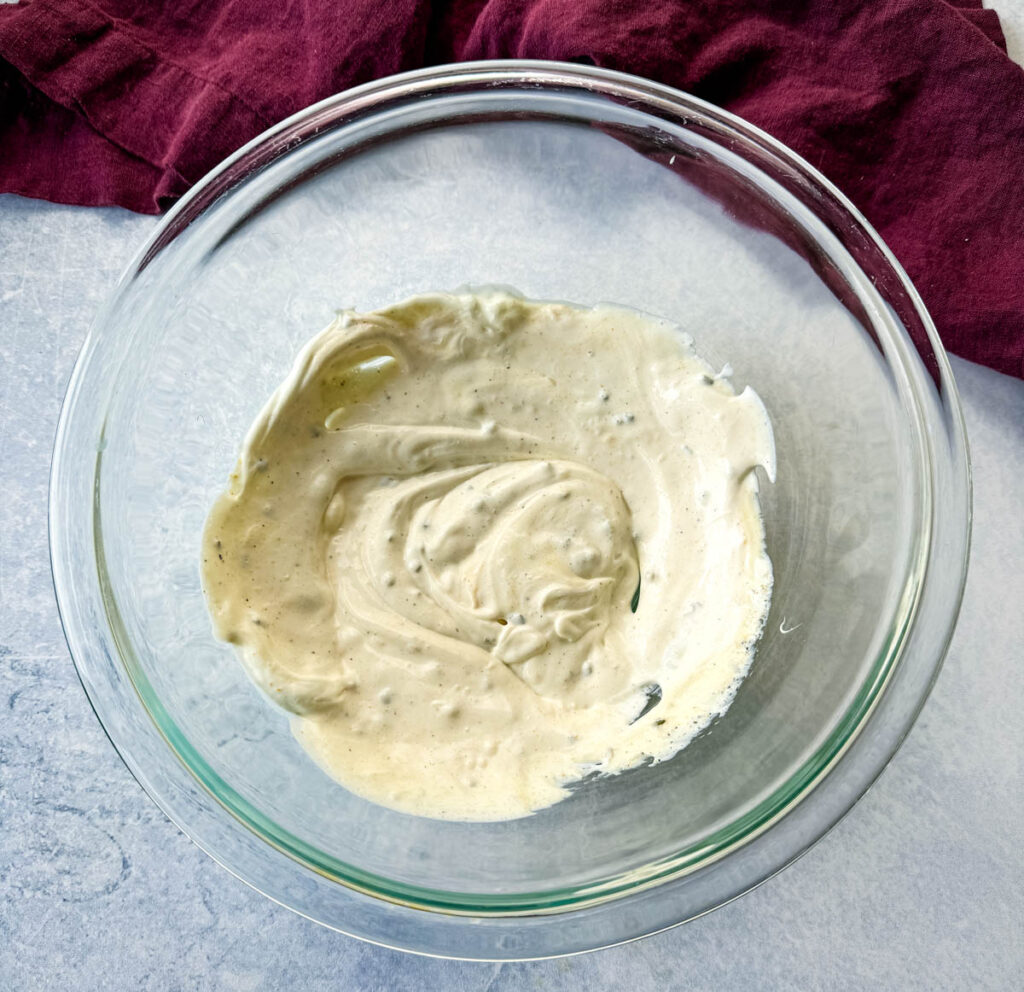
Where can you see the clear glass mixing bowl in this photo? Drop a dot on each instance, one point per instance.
(564, 182)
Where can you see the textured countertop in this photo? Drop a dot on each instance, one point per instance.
(920, 887)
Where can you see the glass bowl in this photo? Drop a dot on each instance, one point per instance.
(565, 182)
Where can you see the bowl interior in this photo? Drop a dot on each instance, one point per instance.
(561, 196)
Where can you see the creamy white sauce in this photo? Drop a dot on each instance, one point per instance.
(471, 538)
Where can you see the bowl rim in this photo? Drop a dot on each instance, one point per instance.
(88, 645)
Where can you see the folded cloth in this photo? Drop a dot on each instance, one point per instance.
(911, 107)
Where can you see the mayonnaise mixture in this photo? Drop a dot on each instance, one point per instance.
(480, 547)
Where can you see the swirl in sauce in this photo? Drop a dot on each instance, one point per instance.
(480, 546)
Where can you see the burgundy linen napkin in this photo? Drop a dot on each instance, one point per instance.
(910, 106)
